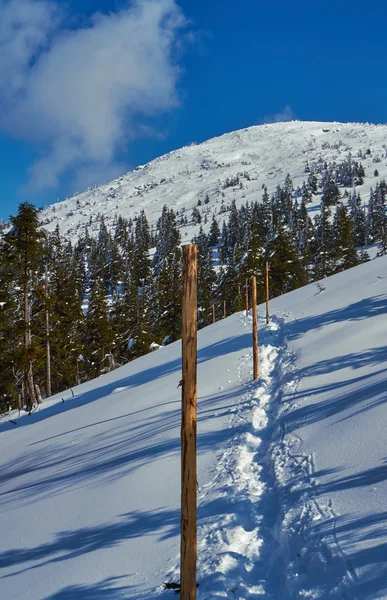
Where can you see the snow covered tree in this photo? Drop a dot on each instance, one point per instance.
(344, 240)
(98, 334)
(331, 193)
(206, 279)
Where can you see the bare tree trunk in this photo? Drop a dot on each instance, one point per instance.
(247, 297)
(112, 362)
(29, 388)
(267, 294)
(78, 377)
(38, 394)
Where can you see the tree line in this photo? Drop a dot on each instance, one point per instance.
(70, 312)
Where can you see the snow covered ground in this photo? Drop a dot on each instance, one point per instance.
(260, 155)
(292, 468)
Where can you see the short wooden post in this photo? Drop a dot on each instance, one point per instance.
(267, 294)
(247, 297)
(224, 309)
(213, 313)
(255, 326)
(188, 425)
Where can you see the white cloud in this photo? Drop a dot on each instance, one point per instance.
(286, 114)
(78, 93)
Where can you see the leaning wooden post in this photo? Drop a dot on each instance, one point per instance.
(267, 293)
(255, 325)
(247, 297)
(188, 426)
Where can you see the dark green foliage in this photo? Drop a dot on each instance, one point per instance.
(135, 300)
(331, 192)
(98, 333)
(286, 272)
(344, 240)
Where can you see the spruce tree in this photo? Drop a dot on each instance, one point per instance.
(99, 338)
(206, 279)
(23, 249)
(344, 240)
(286, 272)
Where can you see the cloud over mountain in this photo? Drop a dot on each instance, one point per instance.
(79, 94)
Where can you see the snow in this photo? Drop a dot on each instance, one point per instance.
(260, 155)
(291, 468)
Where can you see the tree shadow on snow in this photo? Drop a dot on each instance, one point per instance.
(358, 311)
(149, 374)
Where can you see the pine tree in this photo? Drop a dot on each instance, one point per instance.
(214, 232)
(286, 272)
(344, 240)
(206, 279)
(67, 290)
(24, 249)
(331, 193)
(8, 383)
(99, 337)
(166, 297)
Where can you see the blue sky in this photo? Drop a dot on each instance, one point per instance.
(85, 98)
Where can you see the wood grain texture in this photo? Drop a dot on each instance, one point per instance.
(267, 294)
(188, 425)
(255, 326)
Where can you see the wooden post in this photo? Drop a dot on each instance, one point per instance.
(255, 326)
(48, 345)
(267, 293)
(213, 313)
(247, 297)
(224, 309)
(188, 426)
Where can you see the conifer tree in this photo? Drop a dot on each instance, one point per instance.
(98, 335)
(214, 235)
(8, 381)
(206, 279)
(325, 254)
(166, 298)
(286, 272)
(24, 249)
(344, 240)
(331, 193)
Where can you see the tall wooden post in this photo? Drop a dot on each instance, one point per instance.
(188, 426)
(267, 293)
(48, 346)
(224, 309)
(247, 297)
(213, 313)
(255, 326)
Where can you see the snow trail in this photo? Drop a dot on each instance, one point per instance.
(238, 511)
(259, 518)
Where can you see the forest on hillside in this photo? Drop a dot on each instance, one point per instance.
(70, 312)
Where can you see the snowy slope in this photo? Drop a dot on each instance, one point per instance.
(261, 155)
(292, 471)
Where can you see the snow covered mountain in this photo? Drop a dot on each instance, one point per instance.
(292, 469)
(233, 166)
